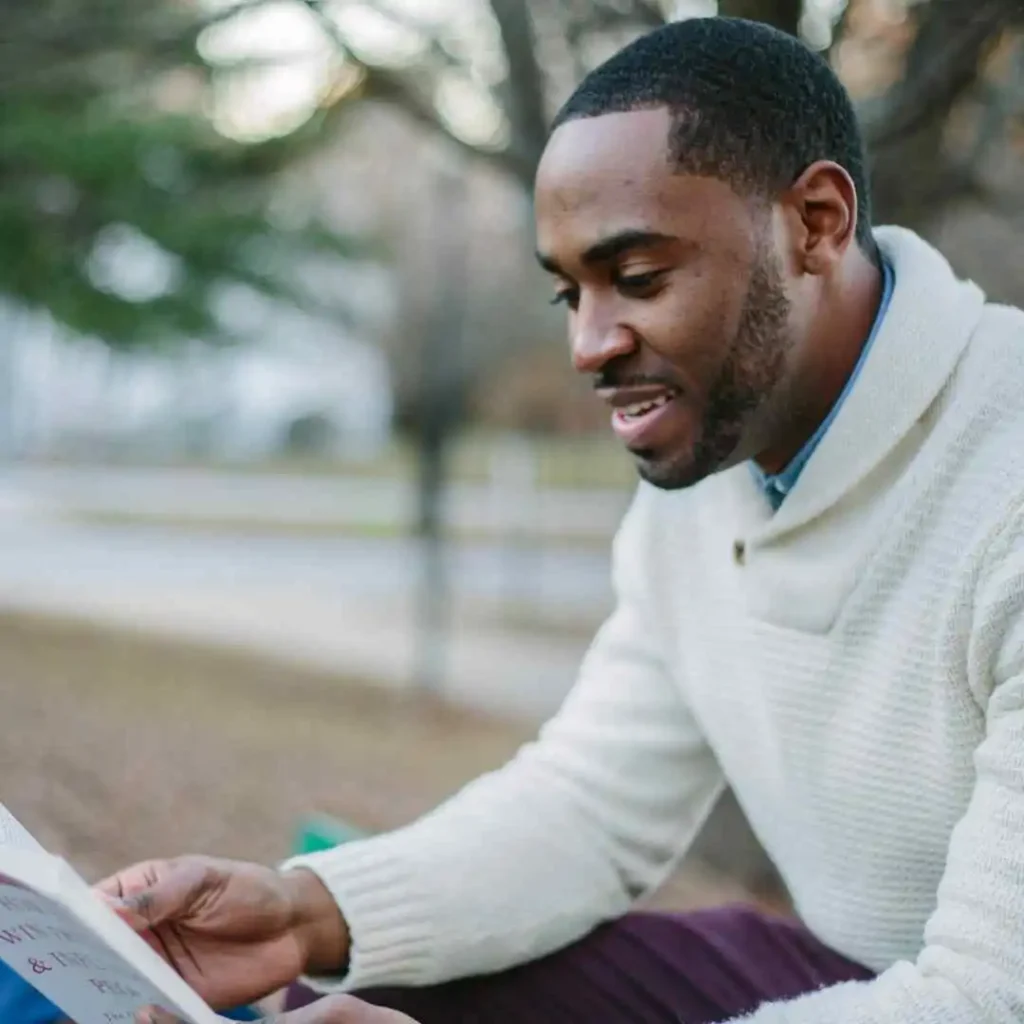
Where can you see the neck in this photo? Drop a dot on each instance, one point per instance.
(837, 335)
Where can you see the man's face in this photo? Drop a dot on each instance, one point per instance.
(676, 294)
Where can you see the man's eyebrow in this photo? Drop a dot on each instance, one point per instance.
(615, 245)
(608, 248)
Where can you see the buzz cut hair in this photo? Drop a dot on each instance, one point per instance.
(750, 105)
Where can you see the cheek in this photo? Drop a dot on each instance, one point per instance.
(692, 328)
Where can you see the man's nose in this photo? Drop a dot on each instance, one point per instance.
(597, 340)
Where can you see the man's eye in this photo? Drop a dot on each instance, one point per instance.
(639, 282)
(568, 297)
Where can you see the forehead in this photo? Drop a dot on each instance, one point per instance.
(604, 175)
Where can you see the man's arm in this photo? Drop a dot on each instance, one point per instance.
(570, 833)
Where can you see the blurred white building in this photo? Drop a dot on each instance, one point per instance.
(302, 385)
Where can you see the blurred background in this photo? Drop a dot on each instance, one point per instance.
(301, 507)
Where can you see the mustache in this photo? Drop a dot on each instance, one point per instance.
(610, 378)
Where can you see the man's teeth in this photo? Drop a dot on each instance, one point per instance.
(631, 412)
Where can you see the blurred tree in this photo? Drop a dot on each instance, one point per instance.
(932, 131)
(123, 213)
(529, 53)
(518, 59)
(487, 76)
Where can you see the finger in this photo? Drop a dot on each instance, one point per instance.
(342, 1010)
(138, 876)
(154, 1015)
(124, 911)
(117, 890)
(166, 896)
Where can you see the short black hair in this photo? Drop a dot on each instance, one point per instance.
(751, 105)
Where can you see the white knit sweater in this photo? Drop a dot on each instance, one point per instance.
(853, 665)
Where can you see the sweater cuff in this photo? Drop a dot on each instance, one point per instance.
(388, 917)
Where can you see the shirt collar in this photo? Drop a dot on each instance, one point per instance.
(777, 485)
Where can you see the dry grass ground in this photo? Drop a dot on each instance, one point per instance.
(116, 748)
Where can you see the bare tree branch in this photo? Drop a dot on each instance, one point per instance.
(432, 45)
(392, 87)
(402, 90)
(945, 59)
(912, 174)
(643, 13)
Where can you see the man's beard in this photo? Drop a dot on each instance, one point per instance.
(755, 365)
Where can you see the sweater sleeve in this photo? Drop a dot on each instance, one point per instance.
(529, 858)
(971, 968)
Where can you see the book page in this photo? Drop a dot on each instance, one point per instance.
(44, 938)
(14, 835)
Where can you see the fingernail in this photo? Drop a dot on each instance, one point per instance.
(139, 904)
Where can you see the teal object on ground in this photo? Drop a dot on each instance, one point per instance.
(320, 832)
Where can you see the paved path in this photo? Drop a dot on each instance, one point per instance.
(488, 669)
(281, 498)
(329, 602)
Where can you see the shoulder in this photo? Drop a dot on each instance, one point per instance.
(983, 412)
(979, 417)
(993, 362)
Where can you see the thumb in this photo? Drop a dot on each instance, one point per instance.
(167, 896)
(343, 1010)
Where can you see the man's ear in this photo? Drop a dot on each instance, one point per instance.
(823, 202)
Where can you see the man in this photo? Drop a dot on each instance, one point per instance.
(820, 596)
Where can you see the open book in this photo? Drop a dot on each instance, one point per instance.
(72, 948)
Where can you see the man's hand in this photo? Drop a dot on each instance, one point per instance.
(235, 932)
(335, 1010)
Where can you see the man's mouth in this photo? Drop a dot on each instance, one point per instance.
(638, 411)
(638, 399)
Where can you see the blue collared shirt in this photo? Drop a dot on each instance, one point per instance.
(777, 485)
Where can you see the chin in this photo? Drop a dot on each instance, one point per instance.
(670, 474)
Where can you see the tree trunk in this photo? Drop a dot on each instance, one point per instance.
(783, 14)
(11, 323)
(525, 96)
(913, 177)
(441, 382)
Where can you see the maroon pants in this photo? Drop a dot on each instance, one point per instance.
(696, 968)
